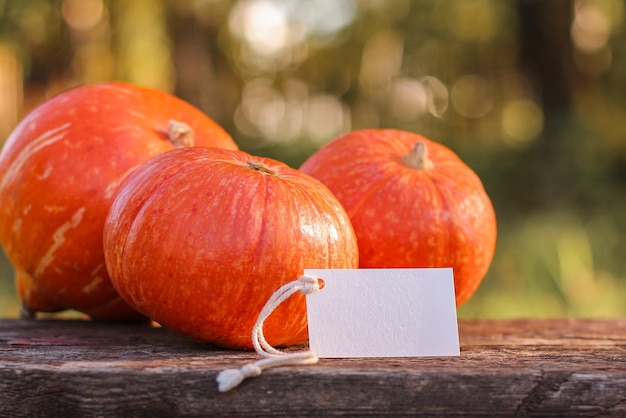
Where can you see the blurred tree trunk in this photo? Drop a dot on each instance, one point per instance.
(203, 74)
(546, 54)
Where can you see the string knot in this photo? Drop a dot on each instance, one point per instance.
(251, 370)
(309, 285)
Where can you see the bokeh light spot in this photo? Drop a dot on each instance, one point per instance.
(522, 121)
(82, 15)
(408, 99)
(591, 27)
(261, 24)
(472, 96)
(326, 118)
(472, 20)
(380, 62)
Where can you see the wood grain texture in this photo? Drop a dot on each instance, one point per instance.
(564, 367)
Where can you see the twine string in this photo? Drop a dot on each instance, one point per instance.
(231, 378)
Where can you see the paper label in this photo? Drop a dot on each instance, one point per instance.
(383, 313)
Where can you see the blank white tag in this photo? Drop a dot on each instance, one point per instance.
(383, 313)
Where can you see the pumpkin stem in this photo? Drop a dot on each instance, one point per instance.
(27, 313)
(180, 134)
(418, 157)
(260, 167)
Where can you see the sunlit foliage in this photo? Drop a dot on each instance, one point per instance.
(530, 94)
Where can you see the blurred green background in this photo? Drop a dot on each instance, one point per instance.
(531, 94)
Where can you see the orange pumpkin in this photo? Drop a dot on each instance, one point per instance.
(199, 239)
(412, 202)
(59, 172)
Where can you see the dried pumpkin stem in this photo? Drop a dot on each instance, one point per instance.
(180, 134)
(260, 167)
(418, 157)
(27, 313)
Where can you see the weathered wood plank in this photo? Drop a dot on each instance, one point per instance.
(563, 367)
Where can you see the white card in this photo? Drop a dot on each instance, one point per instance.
(383, 313)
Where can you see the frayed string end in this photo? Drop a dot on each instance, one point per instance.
(231, 378)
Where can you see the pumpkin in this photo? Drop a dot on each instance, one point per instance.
(59, 172)
(412, 202)
(199, 239)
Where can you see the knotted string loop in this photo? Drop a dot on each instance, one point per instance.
(231, 378)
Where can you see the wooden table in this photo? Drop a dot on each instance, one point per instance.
(65, 368)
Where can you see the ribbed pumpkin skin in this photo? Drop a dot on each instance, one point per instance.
(59, 171)
(433, 216)
(199, 239)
